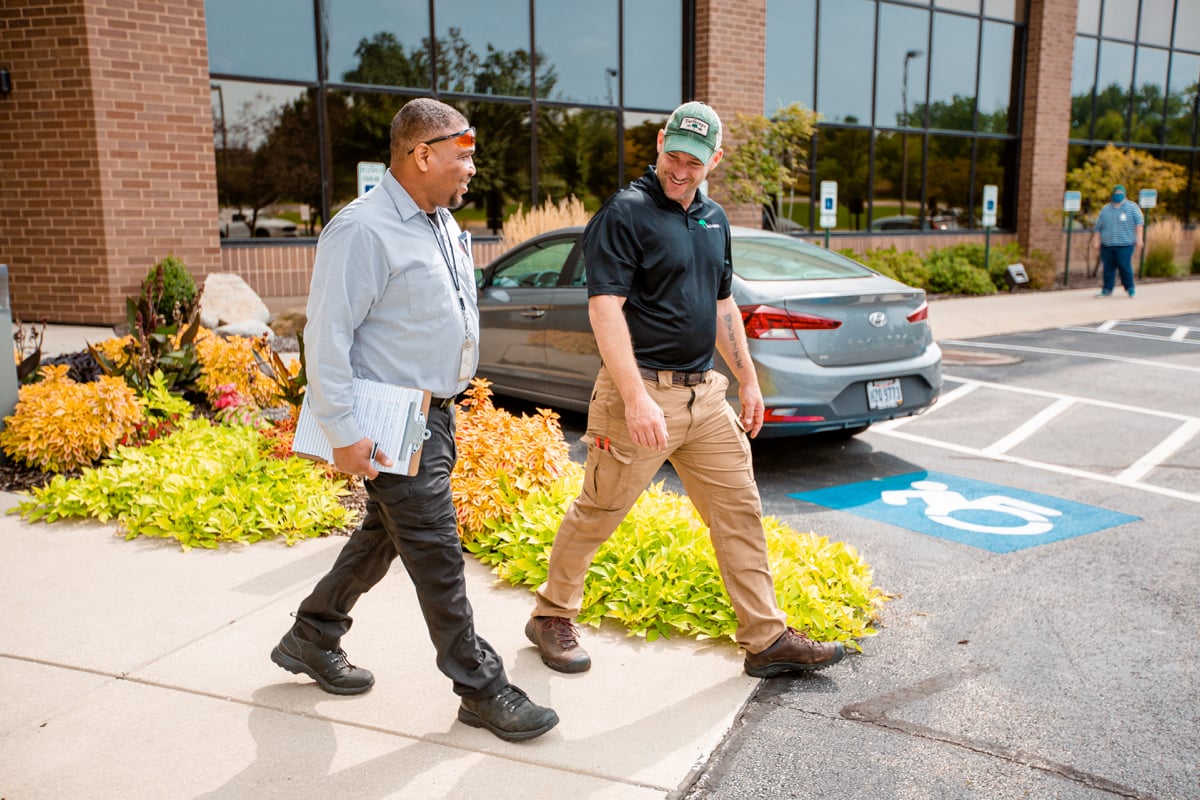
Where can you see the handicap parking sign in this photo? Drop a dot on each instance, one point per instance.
(985, 515)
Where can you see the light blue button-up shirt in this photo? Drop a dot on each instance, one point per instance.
(383, 305)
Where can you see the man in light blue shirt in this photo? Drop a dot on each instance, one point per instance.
(1120, 225)
(393, 300)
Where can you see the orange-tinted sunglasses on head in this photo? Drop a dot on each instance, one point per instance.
(464, 138)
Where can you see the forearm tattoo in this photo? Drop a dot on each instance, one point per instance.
(735, 352)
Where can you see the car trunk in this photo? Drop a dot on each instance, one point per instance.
(874, 327)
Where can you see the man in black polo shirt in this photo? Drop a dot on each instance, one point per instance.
(659, 276)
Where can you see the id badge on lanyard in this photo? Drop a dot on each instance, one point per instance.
(466, 367)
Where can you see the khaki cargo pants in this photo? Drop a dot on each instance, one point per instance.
(711, 454)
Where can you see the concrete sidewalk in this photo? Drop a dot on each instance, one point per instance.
(134, 670)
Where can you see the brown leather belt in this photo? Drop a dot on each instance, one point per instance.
(677, 378)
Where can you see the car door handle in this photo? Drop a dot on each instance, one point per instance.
(534, 313)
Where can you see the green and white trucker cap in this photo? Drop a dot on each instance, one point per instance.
(695, 129)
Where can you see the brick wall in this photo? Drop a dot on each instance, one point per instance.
(730, 64)
(1046, 125)
(106, 157)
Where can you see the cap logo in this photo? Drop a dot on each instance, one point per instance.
(694, 125)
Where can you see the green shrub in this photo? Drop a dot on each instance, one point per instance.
(172, 289)
(953, 274)
(1041, 269)
(202, 485)
(902, 265)
(1162, 239)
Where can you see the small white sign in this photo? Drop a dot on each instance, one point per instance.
(1148, 198)
(1072, 201)
(990, 193)
(370, 175)
(828, 204)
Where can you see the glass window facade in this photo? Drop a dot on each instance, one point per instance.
(563, 96)
(918, 121)
(1134, 84)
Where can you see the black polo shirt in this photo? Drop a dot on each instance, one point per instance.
(671, 266)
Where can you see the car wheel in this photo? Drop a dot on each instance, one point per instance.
(262, 233)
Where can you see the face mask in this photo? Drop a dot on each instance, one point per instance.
(1118, 197)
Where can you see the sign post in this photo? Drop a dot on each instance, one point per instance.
(1071, 203)
(828, 208)
(990, 192)
(1147, 199)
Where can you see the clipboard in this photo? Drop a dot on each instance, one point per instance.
(394, 417)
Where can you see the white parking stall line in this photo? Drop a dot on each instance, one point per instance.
(1032, 426)
(1056, 352)
(1102, 327)
(1134, 335)
(1161, 452)
(942, 401)
(1131, 477)
(1180, 334)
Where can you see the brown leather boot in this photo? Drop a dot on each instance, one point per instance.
(558, 639)
(793, 652)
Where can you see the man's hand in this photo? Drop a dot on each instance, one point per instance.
(646, 422)
(753, 408)
(360, 459)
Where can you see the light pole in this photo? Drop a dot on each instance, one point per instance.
(911, 54)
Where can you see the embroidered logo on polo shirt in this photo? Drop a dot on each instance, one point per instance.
(703, 223)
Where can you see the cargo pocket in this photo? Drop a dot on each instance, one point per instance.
(608, 476)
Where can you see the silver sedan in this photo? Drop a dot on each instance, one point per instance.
(837, 346)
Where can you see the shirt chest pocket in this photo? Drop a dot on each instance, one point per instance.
(428, 296)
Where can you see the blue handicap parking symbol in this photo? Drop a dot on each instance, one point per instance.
(985, 515)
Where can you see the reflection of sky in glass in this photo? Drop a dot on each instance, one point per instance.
(970, 6)
(1087, 19)
(1116, 66)
(1083, 71)
(350, 21)
(653, 54)
(906, 29)
(954, 53)
(1151, 68)
(1156, 22)
(504, 24)
(1150, 80)
(237, 31)
(243, 105)
(844, 76)
(995, 69)
(1187, 26)
(580, 41)
(791, 30)
(1120, 19)
(1004, 9)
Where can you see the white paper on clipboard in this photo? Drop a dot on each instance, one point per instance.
(394, 417)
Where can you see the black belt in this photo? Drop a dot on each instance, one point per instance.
(443, 402)
(677, 378)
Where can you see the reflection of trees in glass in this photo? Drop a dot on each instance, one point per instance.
(578, 154)
(1133, 169)
(1181, 105)
(641, 147)
(267, 154)
(948, 182)
(844, 156)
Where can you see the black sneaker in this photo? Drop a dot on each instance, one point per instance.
(329, 668)
(509, 714)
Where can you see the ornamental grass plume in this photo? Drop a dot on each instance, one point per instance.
(1162, 240)
(523, 225)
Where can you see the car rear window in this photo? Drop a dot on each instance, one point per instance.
(790, 260)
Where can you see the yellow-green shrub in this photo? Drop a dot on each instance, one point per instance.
(499, 453)
(231, 361)
(657, 575)
(60, 425)
(1162, 240)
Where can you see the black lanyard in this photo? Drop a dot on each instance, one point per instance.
(448, 258)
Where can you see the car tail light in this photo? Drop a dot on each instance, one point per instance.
(787, 415)
(920, 315)
(768, 322)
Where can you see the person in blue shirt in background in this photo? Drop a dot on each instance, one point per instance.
(1120, 225)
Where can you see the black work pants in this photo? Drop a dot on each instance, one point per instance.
(413, 518)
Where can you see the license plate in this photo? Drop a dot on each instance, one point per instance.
(884, 394)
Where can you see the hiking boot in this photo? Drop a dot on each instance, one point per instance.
(509, 714)
(329, 668)
(558, 639)
(1103, 294)
(793, 652)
